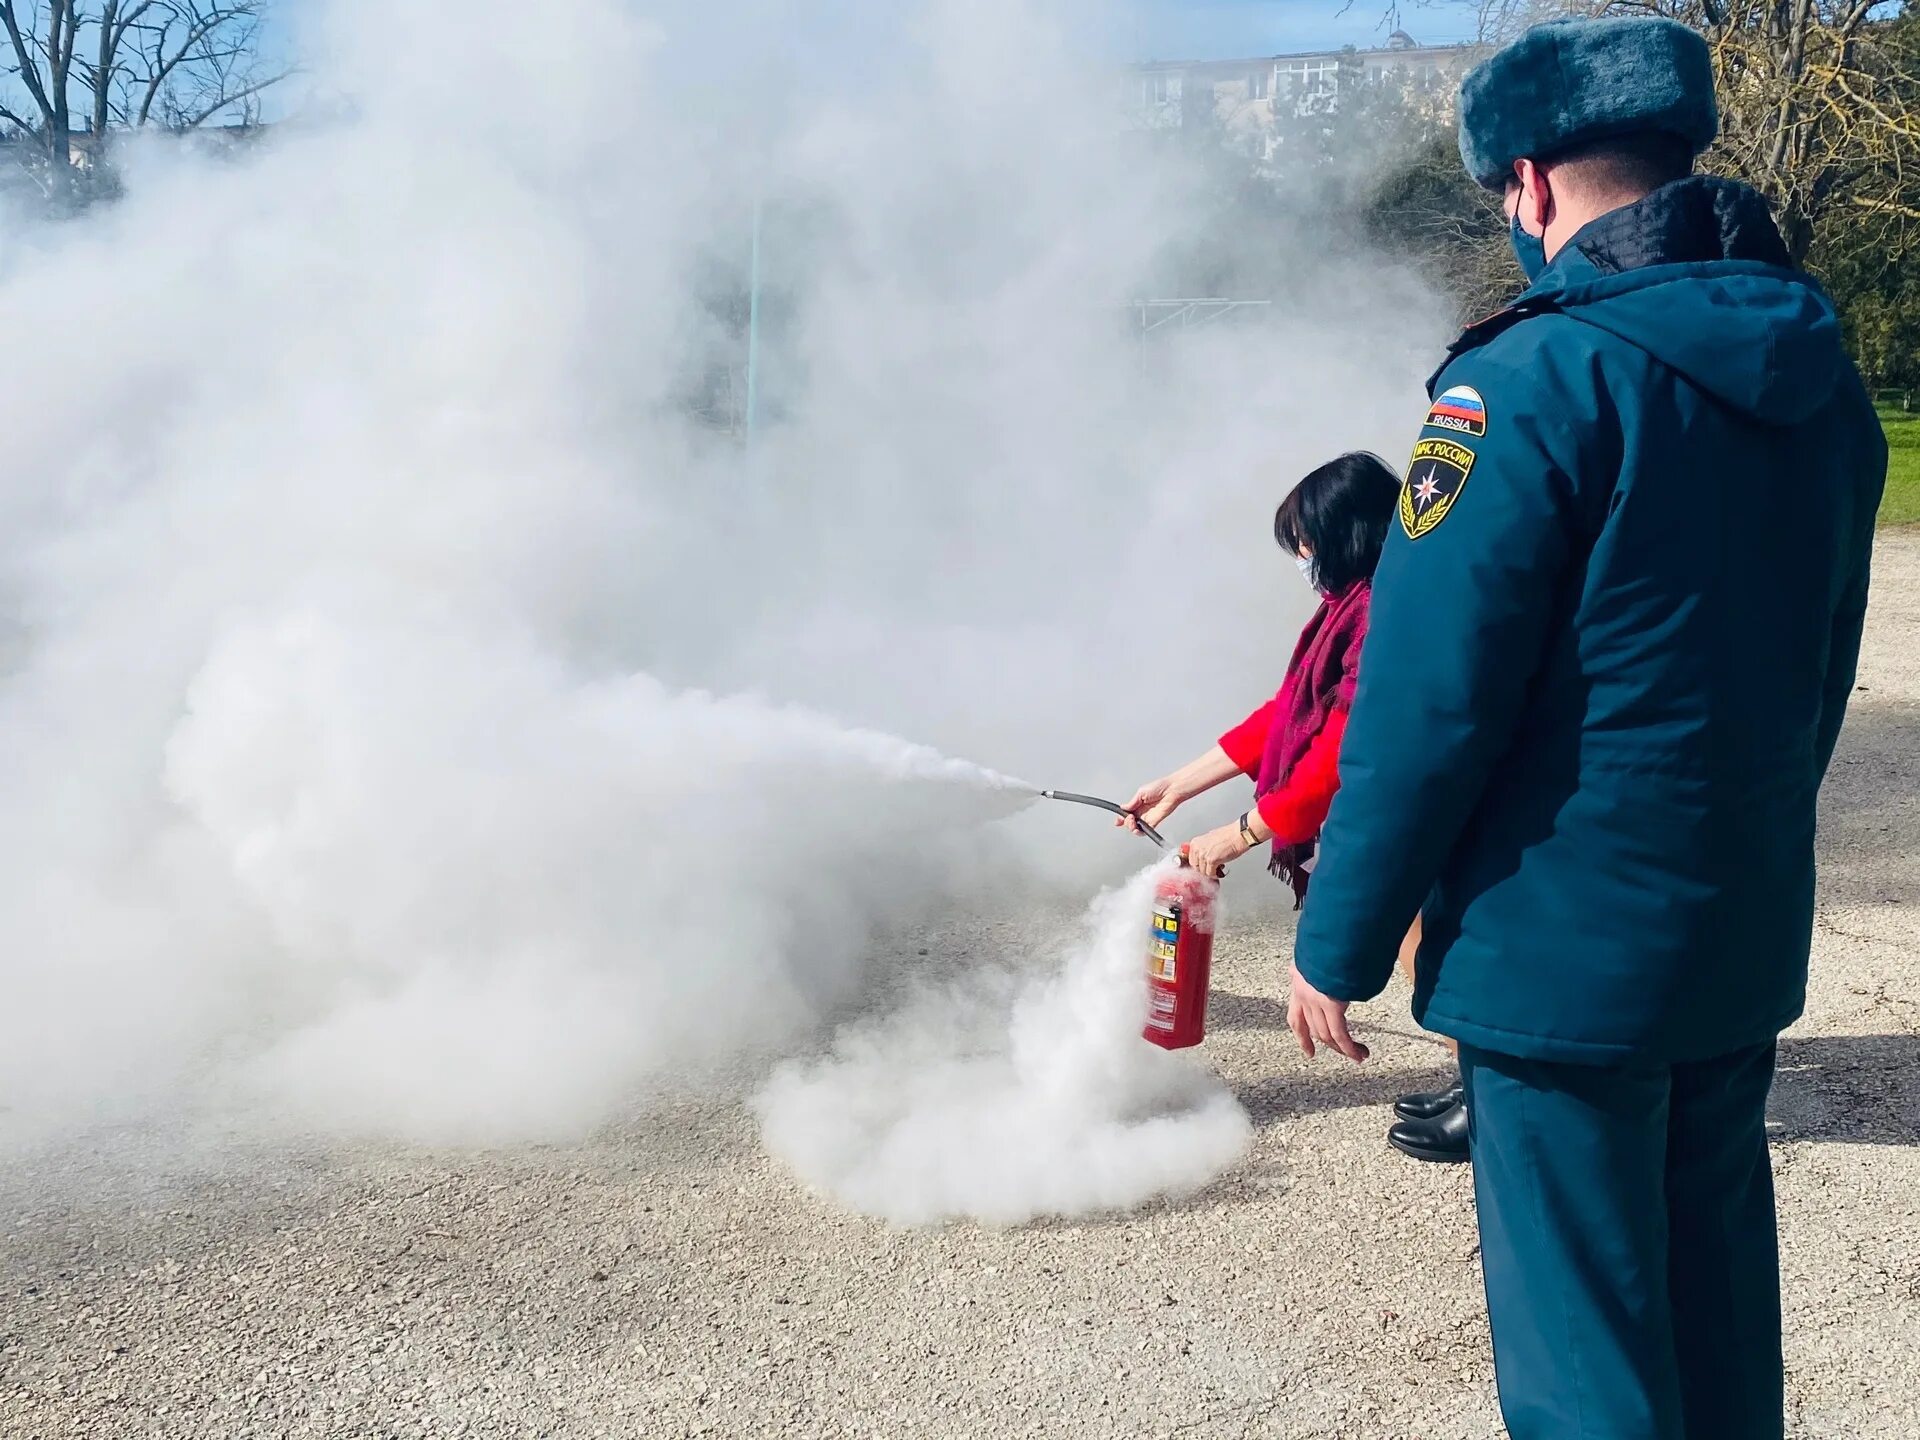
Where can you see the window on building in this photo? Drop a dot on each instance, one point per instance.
(1260, 85)
(1159, 89)
(1319, 76)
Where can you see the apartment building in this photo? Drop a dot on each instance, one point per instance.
(1247, 96)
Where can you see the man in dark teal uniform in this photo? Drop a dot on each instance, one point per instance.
(1613, 638)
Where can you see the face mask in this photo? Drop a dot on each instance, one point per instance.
(1309, 572)
(1529, 250)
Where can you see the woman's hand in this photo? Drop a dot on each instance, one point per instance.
(1152, 802)
(1212, 852)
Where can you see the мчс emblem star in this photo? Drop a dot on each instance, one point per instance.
(1433, 483)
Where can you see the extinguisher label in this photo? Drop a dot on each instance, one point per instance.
(1165, 946)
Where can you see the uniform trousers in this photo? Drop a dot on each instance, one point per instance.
(1627, 1234)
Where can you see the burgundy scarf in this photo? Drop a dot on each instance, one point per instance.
(1320, 679)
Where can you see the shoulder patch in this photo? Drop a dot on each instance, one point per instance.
(1459, 408)
(1434, 480)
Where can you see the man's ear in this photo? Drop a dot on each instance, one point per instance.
(1536, 197)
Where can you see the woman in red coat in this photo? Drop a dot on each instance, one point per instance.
(1333, 523)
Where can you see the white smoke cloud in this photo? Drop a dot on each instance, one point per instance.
(412, 722)
(529, 880)
(1003, 1098)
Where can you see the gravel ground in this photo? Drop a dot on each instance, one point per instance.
(667, 1280)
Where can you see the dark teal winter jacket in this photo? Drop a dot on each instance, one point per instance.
(1613, 636)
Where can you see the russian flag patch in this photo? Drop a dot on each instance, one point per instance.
(1461, 410)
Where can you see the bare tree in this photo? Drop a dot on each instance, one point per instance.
(1819, 103)
(1427, 210)
(1495, 21)
(125, 65)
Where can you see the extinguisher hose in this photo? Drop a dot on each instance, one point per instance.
(1094, 800)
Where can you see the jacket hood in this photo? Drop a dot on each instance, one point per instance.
(1697, 276)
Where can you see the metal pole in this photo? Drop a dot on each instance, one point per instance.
(753, 326)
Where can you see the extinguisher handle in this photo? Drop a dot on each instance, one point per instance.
(1186, 863)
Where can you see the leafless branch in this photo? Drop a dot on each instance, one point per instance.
(234, 98)
(29, 71)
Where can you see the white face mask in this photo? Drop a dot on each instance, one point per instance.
(1309, 572)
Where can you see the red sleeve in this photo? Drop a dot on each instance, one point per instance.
(1297, 809)
(1247, 741)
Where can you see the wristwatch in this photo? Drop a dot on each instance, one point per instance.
(1246, 830)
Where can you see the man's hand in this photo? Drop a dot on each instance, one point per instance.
(1211, 853)
(1313, 1017)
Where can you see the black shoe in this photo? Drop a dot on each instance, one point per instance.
(1426, 1104)
(1442, 1138)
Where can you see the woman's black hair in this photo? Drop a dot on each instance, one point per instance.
(1340, 513)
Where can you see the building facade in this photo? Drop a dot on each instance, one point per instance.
(1248, 98)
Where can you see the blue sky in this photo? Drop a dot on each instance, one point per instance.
(1219, 29)
(1145, 29)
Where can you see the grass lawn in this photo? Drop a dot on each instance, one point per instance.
(1902, 505)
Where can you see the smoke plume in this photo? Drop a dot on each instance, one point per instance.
(421, 717)
(1001, 1098)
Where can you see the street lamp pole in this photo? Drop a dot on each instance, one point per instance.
(753, 326)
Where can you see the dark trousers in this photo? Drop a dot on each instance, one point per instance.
(1627, 1232)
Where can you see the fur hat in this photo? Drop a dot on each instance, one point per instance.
(1569, 82)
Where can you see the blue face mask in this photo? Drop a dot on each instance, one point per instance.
(1309, 571)
(1529, 250)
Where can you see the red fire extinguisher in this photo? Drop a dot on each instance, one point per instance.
(1180, 957)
